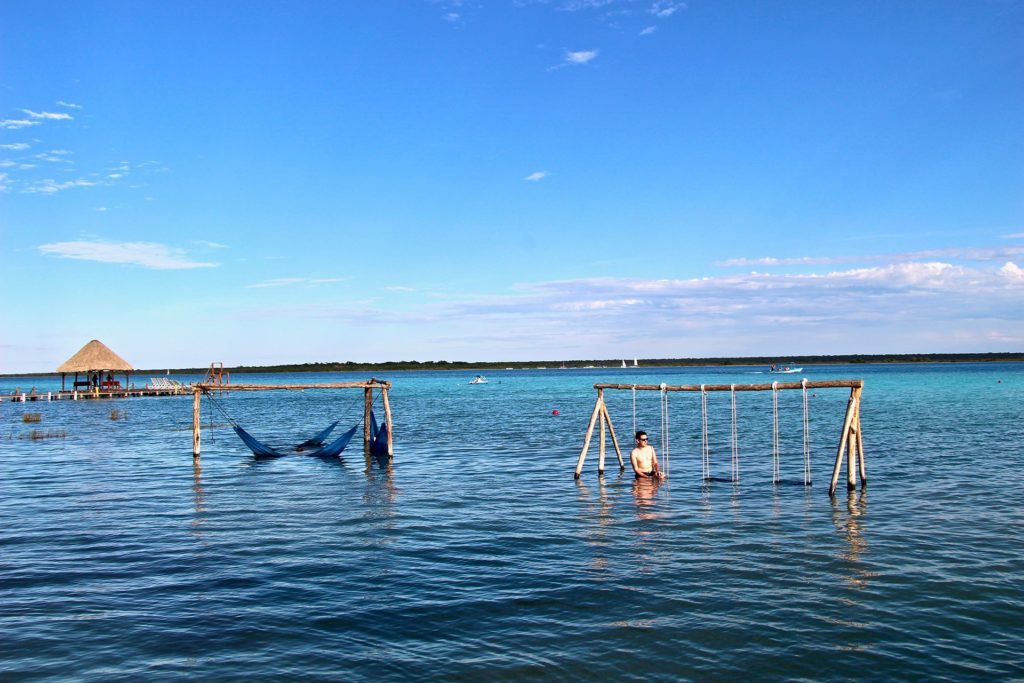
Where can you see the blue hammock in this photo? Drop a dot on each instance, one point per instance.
(379, 445)
(319, 439)
(331, 450)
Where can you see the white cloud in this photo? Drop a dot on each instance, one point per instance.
(1012, 272)
(48, 115)
(580, 57)
(69, 105)
(536, 176)
(145, 254)
(289, 281)
(451, 16)
(1014, 236)
(648, 30)
(50, 186)
(277, 282)
(210, 245)
(666, 8)
(15, 124)
(399, 288)
(15, 147)
(3, 182)
(964, 253)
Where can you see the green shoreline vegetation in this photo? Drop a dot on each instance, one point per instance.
(351, 366)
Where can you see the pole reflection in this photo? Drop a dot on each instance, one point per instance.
(849, 521)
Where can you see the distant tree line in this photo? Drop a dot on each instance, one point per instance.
(350, 366)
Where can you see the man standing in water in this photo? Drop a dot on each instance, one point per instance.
(644, 460)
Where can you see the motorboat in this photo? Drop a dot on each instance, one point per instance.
(784, 370)
(479, 379)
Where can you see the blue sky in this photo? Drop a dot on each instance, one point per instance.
(276, 182)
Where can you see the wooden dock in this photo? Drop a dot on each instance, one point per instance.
(92, 394)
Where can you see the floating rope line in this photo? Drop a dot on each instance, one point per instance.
(807, 436)
(705, 446)
(664, 425)
(735, 438)
(775, 432)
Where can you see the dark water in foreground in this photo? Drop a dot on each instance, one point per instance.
(476, 556)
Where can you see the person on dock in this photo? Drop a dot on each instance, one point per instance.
(644, 460)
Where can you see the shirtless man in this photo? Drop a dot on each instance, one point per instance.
(644, 460)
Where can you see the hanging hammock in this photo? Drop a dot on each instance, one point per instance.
(261, 450)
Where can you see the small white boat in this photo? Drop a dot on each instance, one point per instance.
(479, 379)
(623, 364)
(786, 370)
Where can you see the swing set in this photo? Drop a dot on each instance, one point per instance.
(850, 442)
(376, 440)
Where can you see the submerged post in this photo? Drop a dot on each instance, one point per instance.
(195, 423)
(367, 407)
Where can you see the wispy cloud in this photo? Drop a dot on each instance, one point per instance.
(210, 245)
(536, 176)
(15, 124)
(16, 147)
(69, 105)
(48, 115)
(962, 253)
(1014, 236)
(579, 57)
(399, 288)
(666, 8)
(145, 254)
(51, 186)
(291, 281)
(648, 30)
(451, 16)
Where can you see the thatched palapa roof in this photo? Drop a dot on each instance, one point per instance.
(94, 357)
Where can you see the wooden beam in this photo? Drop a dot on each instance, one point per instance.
(821, 384)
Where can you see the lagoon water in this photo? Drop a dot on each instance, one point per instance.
(477, 556)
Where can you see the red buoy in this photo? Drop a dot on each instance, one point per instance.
(555, 411)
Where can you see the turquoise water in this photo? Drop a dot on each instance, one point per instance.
(478, 556)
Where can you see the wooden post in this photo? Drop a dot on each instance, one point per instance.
(387, 420)
(367, 407)
(586, 441)
(600, 458)
(851, 461)
(851, 407)
(860, 446)
(615, 440)
(195, 424)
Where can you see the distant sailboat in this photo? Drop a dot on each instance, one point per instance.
(623, 364)
(634, 362)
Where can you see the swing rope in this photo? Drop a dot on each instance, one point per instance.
(807, 436)
(634, 409)
(775, 433)
(664, 425)
(735, 439)
(705, 445)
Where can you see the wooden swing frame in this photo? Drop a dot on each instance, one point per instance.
(851, 440)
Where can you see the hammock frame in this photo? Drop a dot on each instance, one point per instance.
(370, 440)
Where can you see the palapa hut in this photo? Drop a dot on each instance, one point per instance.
(93, 360)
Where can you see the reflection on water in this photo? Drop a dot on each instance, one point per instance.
(198, 496)
(849, 521)
(645, 492)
